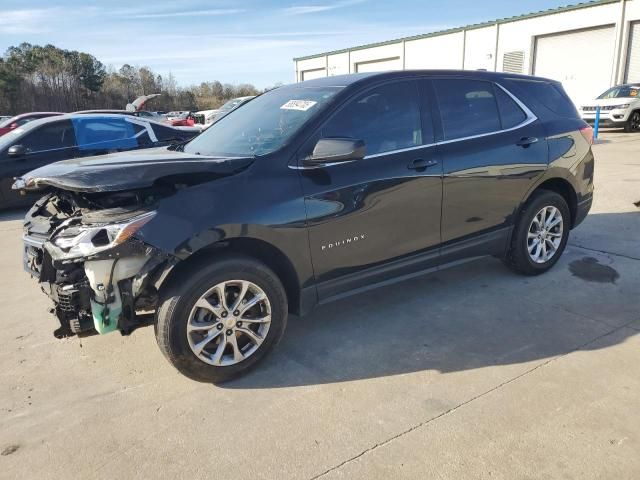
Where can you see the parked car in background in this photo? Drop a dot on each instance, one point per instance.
(307, 194)
(205, 117)
(230, 106)
(140, 102)
(71, 136)
(183, 119)
(19, 120)
(619, 107)
(4, 117)
(176, 114)
(139, 113)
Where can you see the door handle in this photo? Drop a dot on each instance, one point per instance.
(421, 164)
(524, 142)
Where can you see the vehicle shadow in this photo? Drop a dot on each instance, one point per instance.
(476, 315)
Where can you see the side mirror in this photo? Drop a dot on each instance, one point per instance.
(17, 151)
(334, 150)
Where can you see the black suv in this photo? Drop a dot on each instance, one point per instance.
(306, 194)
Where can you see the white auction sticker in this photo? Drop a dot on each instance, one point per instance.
(302, 105)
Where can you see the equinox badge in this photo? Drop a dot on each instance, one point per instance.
(341, 243)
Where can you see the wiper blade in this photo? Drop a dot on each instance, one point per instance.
(178, 147)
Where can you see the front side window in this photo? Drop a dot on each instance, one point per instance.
(52, 136)
(263, 125)
(386, 118)
(467, 107)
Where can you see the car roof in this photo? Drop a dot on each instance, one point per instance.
(85, 116)
(31, 114)
(352, 78)
(106, 110)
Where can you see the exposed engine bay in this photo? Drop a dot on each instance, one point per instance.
(83, 250)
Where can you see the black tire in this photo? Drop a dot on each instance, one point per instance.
(518, 258)
(177, 300)
(633, 122)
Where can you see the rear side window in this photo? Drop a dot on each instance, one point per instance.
(510, 113)
(166, 134)
(104, 134)
(467, 107)
(52, 136)
(386, 118)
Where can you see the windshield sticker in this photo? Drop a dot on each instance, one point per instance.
(302, 105)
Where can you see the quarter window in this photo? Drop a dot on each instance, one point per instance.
(510, 113)
(467, 107)
(386, 118)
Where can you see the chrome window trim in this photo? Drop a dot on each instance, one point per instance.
(530, 118)
(400, 150)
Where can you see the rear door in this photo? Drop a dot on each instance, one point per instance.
(367, 213)
(492, 148)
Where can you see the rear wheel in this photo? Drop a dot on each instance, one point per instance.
(216, 322)
(633, 122)
(540, 234)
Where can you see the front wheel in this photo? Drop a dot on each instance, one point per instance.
(540, 234)
(217, 321)
(633, 122)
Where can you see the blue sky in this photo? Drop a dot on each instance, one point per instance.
(234, 41)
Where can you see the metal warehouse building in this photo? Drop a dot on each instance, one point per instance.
(588, 47)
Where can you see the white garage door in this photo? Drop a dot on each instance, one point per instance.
(582, 60)
(379, 65)
(315, 73)
(633, 59)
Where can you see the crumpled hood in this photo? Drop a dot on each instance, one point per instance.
(129, 170)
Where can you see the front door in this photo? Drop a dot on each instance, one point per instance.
(367, 218)
(45, 144)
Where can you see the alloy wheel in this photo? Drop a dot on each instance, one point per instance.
(229, 322)
(635, 121)
(545, 234)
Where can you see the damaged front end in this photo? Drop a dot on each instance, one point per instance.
(83, 250)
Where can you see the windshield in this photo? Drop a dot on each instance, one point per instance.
(622, 91)
(264, 124)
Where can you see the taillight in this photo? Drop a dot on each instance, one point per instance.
(587, 133)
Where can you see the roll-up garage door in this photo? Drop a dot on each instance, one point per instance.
(633, 58)
(315, 73)
(582, 60)
(379, 65)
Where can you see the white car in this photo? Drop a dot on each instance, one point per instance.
(619, 107)
(205, 117)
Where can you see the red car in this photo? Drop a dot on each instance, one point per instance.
(181, 119)
(18, 120)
